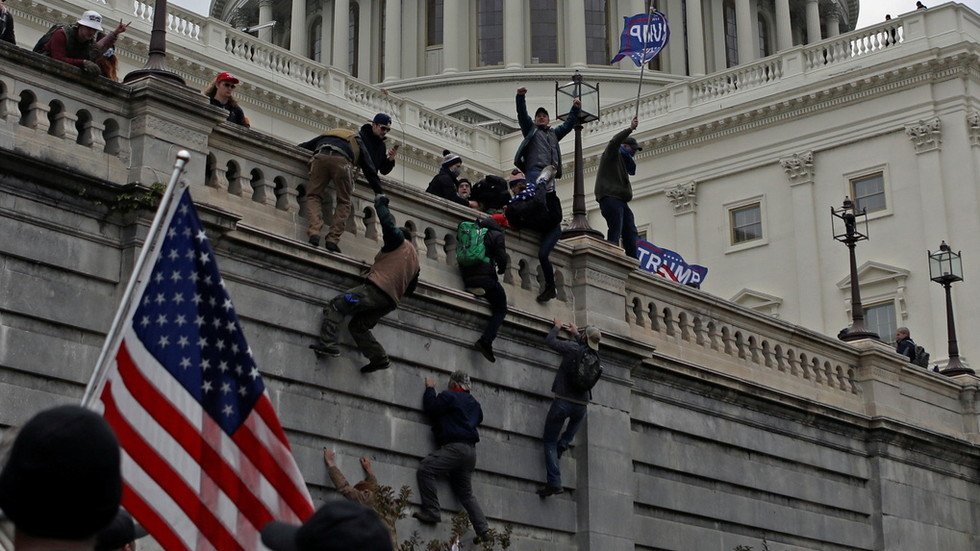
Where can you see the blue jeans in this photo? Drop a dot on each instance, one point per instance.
(560, 411)
(621, 224)
(549, 240)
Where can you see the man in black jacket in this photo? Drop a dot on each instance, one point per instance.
(373, 135)
(904, 344)
(446, 182)
(455, 416)
(481, 280)
(613, 190)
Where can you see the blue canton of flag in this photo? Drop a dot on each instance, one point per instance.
(644, 35)
(187, 322)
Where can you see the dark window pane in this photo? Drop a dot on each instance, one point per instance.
(544, 31)
(880, 318)
(433, 22)
(316, 36)
(763, 37)
(352, 37)
(746, 223)
(869, 192)
(731, 34)
(596, 37)
(490, 31)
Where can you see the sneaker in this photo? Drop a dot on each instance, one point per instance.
(375, 366)
(323, 349)
(483, 537)
(332, 247)
(486, 349)
(546, 295)
(546, 491)
(476, 291)
(426, 518)
(315, 240)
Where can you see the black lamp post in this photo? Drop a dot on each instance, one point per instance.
(854, 222)
(946, 267)
(589, 96)
(157, 63)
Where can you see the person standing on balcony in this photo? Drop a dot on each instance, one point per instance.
(538, 150)
(613, 190)
(446, 182)
(76, 44)
(374, 134)
(335, 154)
(221, 93)
(6, 24)
(394, 275)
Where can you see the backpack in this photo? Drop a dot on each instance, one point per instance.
(491, 192)
(470, 247)
(921, 358)
(528, 209)
(587, 370)
(41, 42)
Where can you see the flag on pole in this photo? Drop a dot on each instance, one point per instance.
(669, 265)
(206, 464)
(644, 35)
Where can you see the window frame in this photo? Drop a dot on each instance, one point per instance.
(476, 53)
(890, 301)
(850, 177)
(559, 37)
(729, 208)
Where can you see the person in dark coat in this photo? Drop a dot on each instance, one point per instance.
(481, 280)
(373, 135)
(613, 190)
(221, 93)
(455, 416)
(445, 183)
(6, 24)
(904, 344)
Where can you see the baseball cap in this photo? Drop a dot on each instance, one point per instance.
(122, 530)
(91, 19)
(382, 119)
(225, 76)
(592, 337)
(62, 479)
(337, 526)
(631, 141)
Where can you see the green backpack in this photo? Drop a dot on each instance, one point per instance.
(470, 248)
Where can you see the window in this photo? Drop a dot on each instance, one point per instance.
(490, 32)
(869, 192)
(764, 49)
(354, 25)
(433, 22)
(880, 318)
(544, 31)
(731, 34)
(596, 39)
(746, 223)
(316, 40)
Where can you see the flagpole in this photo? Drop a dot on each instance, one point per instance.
(112, 338)
(643, 65)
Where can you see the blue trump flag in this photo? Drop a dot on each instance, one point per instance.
(670, 265)
(644, 35)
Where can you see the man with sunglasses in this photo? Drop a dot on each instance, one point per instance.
(374, 134)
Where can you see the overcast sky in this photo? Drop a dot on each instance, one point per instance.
(872, 11)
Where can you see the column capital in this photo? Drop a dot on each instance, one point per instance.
(926, 135)
(684, 197)
(973, 127)
(799, 167)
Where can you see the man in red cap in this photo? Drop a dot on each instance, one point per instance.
(220, 92)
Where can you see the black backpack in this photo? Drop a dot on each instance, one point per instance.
(921, 358)
(587, 370)
(39, 47)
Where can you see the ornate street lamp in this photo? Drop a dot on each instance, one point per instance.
(589, 96)
(855, 229)
(946, 267)
(157, 63)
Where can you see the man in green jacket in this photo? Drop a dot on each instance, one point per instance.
(613, 190)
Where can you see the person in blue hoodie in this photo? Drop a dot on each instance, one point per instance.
(455, 416)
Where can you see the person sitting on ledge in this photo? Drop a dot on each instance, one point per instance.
(445, 183)
(220, 91)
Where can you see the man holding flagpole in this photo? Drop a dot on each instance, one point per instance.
(613, 190)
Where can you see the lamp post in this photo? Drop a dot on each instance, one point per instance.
(850, 234)
(589, 96)
(156, 65)
(945, 268)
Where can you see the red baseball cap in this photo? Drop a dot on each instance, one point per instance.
(226, 76)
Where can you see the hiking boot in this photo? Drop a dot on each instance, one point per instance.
(486, 349)
(548, 294)
(323, 349)
(483, 537)
(332, 247)
(426, 518)
(375, 366)
(546, 491)
(315, 240)
(476, 291)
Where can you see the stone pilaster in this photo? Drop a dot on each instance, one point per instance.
(801, 172)
(341, 34)
(393, 40)
(926, 135)
(684, 197)
(744, 16)
(799, 167)
(297, 32)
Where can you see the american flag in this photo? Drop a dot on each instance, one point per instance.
(206, 463)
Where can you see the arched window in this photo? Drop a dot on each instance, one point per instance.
(543, 18)
(765, 50)
(596, 32)
(316, 39)
(353, 28)
(490, 31)
(433, 22)
(731, 34)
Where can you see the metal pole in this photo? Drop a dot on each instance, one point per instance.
(580, 222)
(857, 330)
(954, 366)
(639, 85)
(157, 63)
(125, 305)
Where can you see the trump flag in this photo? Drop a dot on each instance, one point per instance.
(644, 35)
(669, 265)
(206, 463)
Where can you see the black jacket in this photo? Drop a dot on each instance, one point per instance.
(570, 351)
(376, 147)
(483, 275)
(7, 27)
(906, 347)
(444, 185)
(455, 416)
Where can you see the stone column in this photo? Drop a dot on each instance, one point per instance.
(784, 29)
(695, 38)
(833, 22)
(367, 64)
(326, 32)
(743, 26)
(265, 16)
(514, 34)
(575, 34)
(451, 43)
(393, 40)
(341, 34)
(297, 31)
(800, 172)
(684, 199)
(812, 21)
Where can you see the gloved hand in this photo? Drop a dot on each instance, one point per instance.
(380, 199)
(91, 68)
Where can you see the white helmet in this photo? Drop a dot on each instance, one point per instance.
(92, 20)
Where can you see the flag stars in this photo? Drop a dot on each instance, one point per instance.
(181, 320)
(145, 321)
(227, 303)
(202, 342)
(242, 391)
(178, 298)
(204, 258)
(158, 277)
(175, 276)
(207, 387)
(230, 326)
(193, 277)
(228, 410)
(225, 387)
(197, 299)
(199, 321)
(216, 323)
(238, 370)
(161, 320)
(205, 364)
(183, 210)
(223, 367)
(201, 236)
(172, 232)
(254, 373)
(160, 298)
(174, 255)
(234, 348)
(183, 341)
(164, 341)
(186, 232)
(185, 362)
(220, 345)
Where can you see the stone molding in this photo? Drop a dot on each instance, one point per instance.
(684, 197)
(799, 167)
(926, 135)
(973, 127)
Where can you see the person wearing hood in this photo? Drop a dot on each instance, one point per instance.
(613, 190)
(445, 183)
(373, 135)
(481, 280)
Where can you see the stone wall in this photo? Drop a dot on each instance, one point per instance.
(714, 426)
